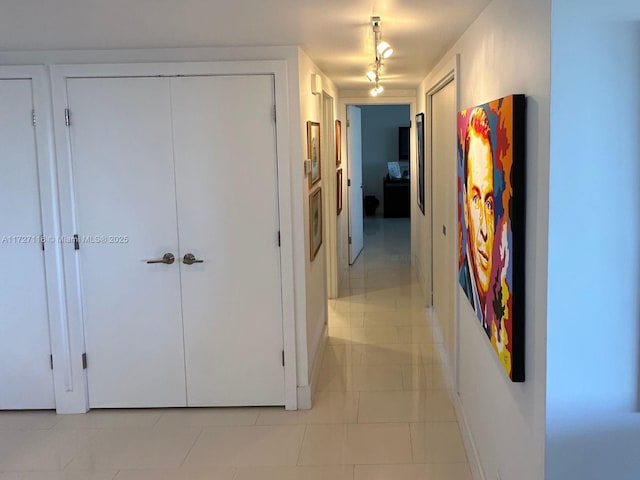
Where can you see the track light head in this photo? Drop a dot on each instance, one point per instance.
(384, 49)
(377, 90)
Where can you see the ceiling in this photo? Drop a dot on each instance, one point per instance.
(336, 34)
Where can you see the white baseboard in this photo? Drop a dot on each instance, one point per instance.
(304, 397)
(305, 393)
(467, 438)
(416, 268)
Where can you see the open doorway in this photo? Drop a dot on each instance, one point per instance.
(385, 160)
(379, 142)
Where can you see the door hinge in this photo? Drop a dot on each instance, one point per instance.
(348, 182)
(33, 117)
(76, 242)
(84, 361)
(275, 115)
(42, 242)
(51, 361)
(67, 117)
(279, 242)
(349, 240)
(283, 358)
(348, 123)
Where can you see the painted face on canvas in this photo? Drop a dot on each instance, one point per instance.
(480, 209)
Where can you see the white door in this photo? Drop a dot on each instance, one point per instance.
(26, 379)
(354, 139)
(443, 109)
(124, 181)
(226, 180)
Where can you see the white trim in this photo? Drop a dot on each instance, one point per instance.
(447, 74)
(277, 68)
(50, 217)
(304, 397)
(343, 104)
(330, 198)
(306, 393)
(467, 438)
(323, 336)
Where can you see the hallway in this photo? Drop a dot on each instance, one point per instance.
(382, 410)
(382, 360)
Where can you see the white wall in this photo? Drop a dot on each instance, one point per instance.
(380, 145)
(316, 270)
(506, 51)
(593, 358)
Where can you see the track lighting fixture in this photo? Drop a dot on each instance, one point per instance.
(382, 50)
(377, 90)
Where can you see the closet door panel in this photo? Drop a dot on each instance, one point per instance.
(124, 182)
(26, 379)
(226, 183)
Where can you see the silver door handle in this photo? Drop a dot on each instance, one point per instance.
(190, 259)
(167, 258)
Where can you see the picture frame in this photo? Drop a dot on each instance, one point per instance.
(339, 191)
(338, 143)
(315, 222)
(313, 152)
(420, 160)
(491, 182)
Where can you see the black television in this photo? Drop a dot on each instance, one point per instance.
(403, 143)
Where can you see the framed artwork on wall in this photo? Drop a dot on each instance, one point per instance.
(315, 221)
(339, 190)
(313, 152)
(338, 143)
(491, 223)
(420, 158)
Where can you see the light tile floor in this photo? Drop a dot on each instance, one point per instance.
(381, 410)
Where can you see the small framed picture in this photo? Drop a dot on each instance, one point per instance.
(339, 190)
(313, 151)
(315, 221)
(338, 143)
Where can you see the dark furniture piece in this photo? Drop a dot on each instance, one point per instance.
(396, 197)
(403, 143)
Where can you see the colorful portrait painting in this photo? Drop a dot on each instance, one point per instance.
(491, 209)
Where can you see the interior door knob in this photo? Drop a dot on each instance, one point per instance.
(167, 258)
(190, 259)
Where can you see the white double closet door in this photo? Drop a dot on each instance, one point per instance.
(179, 166)
(26, 379)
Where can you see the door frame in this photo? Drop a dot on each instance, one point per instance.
(76, 394)
(50, 214)
(398, 98)
(328, 152)
(447, 75)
